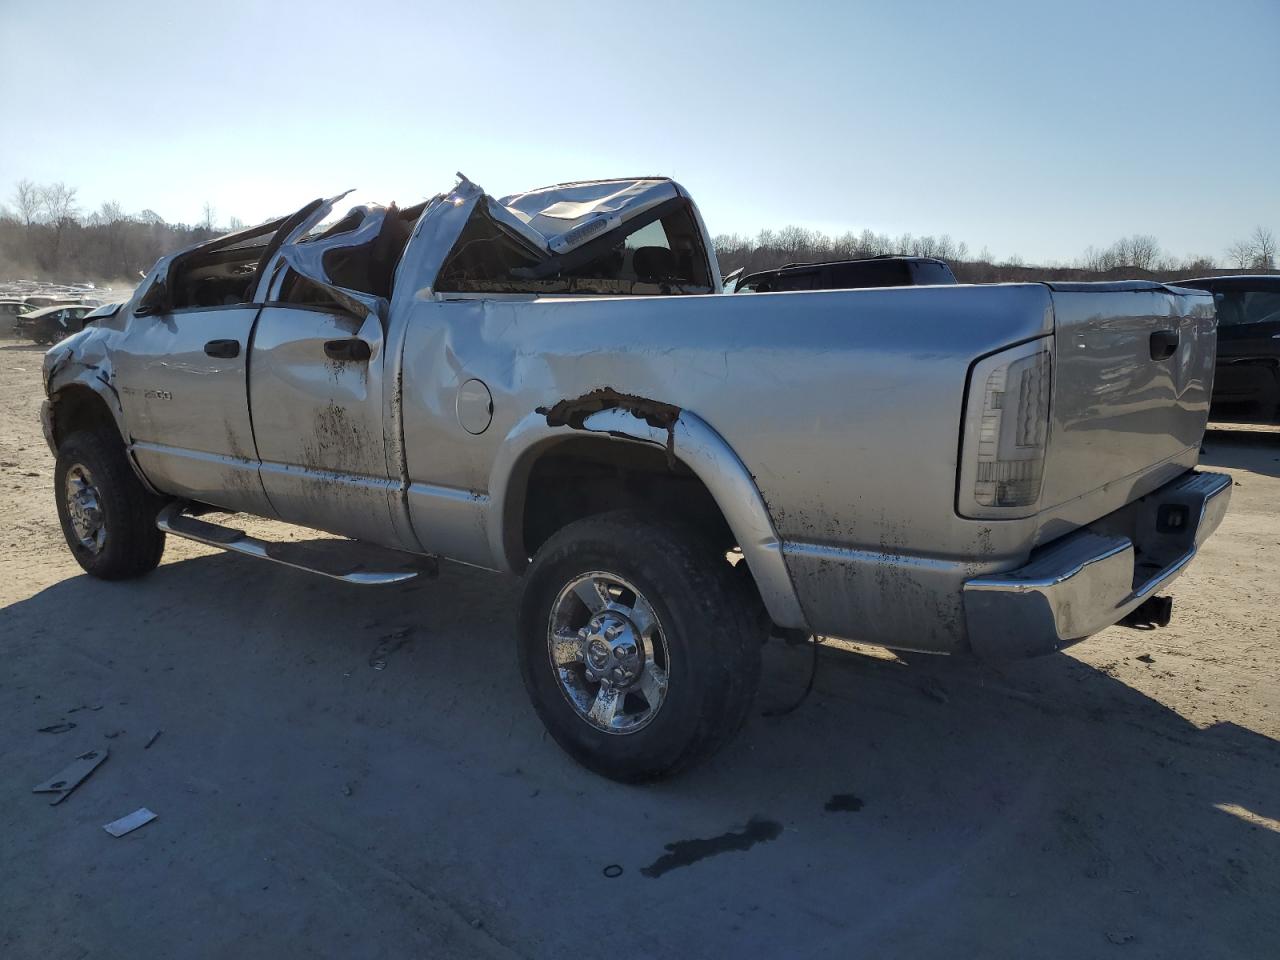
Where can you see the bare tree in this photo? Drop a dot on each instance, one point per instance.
(57, 203)
(234, 224)
(1263, 247)
(58, 209)
(209, 218)
(26, 201)
(1240, 254)
(1143, 249)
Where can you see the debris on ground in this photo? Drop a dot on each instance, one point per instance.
(152, 739)
(57, 728)
(129, 822)
(935, 692)
(1146, 658)
(843, 803)
(72, 775)
(388, 644)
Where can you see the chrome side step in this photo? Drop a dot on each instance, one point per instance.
(351, 561)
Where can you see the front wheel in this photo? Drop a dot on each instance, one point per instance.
(638, 645)
(107, 516)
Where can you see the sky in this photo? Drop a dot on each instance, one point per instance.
(1027, 128)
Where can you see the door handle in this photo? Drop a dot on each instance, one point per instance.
(226, 349)
(351, 349)
(1163, 344)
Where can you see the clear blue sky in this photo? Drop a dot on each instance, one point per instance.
(1024, 127)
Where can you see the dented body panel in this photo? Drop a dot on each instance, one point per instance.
(827, 427)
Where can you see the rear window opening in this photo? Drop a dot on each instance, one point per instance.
(659, 253)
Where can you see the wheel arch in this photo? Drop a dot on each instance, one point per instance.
(85, 401)
(691, 449)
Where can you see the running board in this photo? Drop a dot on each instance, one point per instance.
(351, 561)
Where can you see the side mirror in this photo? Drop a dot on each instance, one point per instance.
(153, 301)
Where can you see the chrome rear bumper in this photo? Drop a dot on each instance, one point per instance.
(1090, 579)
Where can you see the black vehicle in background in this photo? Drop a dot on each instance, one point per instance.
(1246, 382)
(886, 271)
(51, 324)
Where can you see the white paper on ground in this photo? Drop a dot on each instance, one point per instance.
(118, 828)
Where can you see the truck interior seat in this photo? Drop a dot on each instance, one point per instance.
(653, 263)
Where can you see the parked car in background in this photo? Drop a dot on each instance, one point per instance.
(1247, 377)
(9, 311)
(885, 271)
(51, 324)
(39, 301)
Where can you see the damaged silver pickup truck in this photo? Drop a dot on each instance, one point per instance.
(548, 384)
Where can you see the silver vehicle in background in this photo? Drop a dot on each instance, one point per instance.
(540, 384)
(9, 311)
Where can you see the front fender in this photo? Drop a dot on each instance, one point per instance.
(690, 440)
(71, 375)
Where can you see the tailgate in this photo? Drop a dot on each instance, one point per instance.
(1133, 370)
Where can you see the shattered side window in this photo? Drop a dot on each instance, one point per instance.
(297, 290)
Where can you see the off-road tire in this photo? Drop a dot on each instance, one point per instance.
(133, 545)
(713, 639)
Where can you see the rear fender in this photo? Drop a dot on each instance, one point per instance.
(685, 437)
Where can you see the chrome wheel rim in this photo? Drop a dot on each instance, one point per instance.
(608, 652)
(84, 508)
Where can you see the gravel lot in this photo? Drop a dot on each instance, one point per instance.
(350, 772)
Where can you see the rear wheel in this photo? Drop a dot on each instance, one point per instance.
(108, 518)
(638, 645)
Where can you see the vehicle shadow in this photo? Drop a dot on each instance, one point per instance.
(383, 736)
(1256, 450)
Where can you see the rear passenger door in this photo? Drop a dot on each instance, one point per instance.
(318, 379)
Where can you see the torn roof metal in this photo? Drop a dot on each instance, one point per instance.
(569, 214)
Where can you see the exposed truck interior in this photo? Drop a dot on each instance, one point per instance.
(590, 247)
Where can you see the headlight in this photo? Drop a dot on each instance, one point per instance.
(1006, 432)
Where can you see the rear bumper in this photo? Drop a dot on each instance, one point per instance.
(1090, 579)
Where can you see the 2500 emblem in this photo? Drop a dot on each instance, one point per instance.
(158, 395)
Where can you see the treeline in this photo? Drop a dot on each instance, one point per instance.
(1135, 257)
(44, 234)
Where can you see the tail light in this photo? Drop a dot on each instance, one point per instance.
(1006, 432)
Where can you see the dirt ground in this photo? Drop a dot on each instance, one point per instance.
(351, 772)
